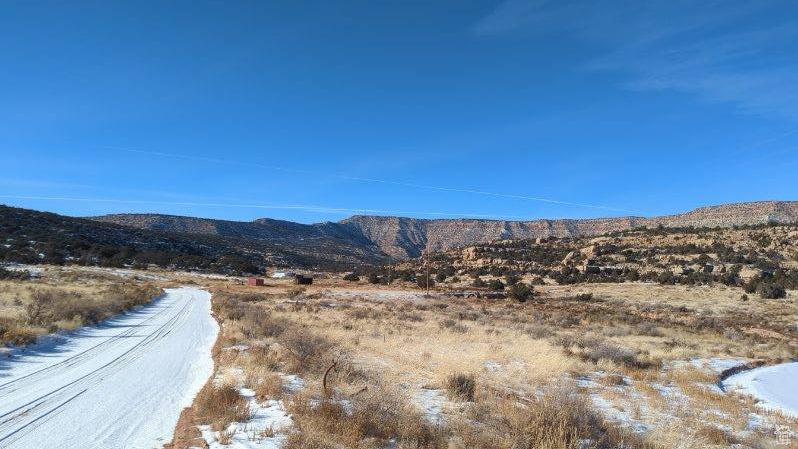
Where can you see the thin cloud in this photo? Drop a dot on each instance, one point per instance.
(508, 16)
(736, 52)
(305, 208)
(364, 179)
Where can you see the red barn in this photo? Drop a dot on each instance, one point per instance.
(256, 282)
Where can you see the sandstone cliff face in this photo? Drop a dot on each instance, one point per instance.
(404, 238)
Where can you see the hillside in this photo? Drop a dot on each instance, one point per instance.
(405, 238)
(38, 237)
(755, 256)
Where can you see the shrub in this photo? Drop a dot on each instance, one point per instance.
(421, 280)
(220, 406)
(521, 292)
(14, 274)
(511, 279)
(648, 329)
(768, 290)
(269, 388)
(461, 386)
(252, 297)
(615, 354)
(666, 278)
(18, 335)
(752, 285)
(259, 323)
(230, 308)
(496, 285)
(377, 418)
(558, 418)
(310, 352)
(37, 311)
(454, 326)
(351, 277)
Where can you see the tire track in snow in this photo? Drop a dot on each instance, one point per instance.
(5, 388)
(112, 358)
(92, 378)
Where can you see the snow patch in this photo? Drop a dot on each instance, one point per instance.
(717, 365)
(265, 430)
(293, 383)
(492, 366)
(431, 402)
(237, 348)
(613, 414)
(774, 386)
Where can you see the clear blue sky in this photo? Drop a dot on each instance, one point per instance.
(311, 110)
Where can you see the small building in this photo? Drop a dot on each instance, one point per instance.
(256, 282)
(303, 280)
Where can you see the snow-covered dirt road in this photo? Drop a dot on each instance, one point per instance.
(118, 385)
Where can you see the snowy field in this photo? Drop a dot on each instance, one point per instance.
(122, 384)
(775, 387)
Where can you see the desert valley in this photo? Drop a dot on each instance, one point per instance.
(482, 224)
(667, 332)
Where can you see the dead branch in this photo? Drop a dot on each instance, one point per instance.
(326, 373)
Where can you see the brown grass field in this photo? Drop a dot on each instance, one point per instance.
(355, 365)
(66, 299)
(387, 367)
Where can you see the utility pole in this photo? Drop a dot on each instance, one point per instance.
(426, 265)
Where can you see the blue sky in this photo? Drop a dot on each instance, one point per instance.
(313, 111)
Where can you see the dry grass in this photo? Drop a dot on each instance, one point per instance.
(220, 406)
(371, 420)
(559, 418)
(268, 386)
(396, 343)
(461, 386)
(30, 309)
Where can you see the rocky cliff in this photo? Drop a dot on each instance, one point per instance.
(404, 238)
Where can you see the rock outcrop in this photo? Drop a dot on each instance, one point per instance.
(405, 238)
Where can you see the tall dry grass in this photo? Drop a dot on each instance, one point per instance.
(514, 352)
(558, 418)
(40, 308)
(219, 406)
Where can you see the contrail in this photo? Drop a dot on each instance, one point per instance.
(361, 179)
(311, 208)
(766, 141)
